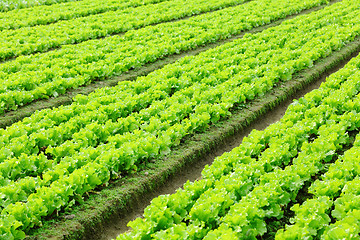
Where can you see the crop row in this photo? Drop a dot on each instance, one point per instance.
(38, 76)
(347, 213)
(74, 9)
(8, 5)
(41, 38)
(51, 159)
(314, 216)
(259, 179)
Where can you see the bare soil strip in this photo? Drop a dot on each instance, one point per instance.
(11, 117)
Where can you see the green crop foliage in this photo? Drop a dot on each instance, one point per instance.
(45, 75)
(51, 159)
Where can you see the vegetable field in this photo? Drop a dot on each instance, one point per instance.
(299, 178)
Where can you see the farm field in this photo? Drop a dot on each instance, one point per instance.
(199, 76)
